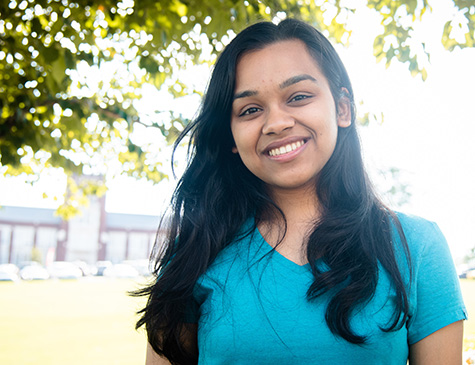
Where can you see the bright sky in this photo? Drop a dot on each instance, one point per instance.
(427, 133)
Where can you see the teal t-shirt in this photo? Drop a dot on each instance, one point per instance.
(251, 306)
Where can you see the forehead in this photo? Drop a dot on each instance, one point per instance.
(277, 61)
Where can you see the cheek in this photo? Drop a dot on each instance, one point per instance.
(243, 138)
(245, 147)
(242, 147)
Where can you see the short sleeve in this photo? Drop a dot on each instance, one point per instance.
(200, 293)
(436, 298)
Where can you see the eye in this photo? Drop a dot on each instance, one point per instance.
(249, 111)
(299, 97)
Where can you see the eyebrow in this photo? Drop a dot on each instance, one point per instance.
(295, 79)
(245, 94)
(289, 82)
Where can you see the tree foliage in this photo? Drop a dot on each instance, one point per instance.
(71, 72)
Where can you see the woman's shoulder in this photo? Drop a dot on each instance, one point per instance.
(416, 227)
(422, 235)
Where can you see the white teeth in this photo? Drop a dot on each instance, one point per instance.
(286, 149)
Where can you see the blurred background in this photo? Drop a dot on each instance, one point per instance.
(93, 95)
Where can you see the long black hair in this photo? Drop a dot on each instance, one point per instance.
(217, 193)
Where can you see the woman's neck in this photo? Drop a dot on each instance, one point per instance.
(298, 206)
(301, 211)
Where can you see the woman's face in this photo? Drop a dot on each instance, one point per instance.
(284, 121)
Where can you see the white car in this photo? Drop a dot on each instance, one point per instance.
(64, 270)
(34, 272)
(9, 272)
(121, 271)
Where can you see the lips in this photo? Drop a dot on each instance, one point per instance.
(286, 148)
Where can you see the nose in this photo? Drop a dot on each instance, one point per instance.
(277, 121)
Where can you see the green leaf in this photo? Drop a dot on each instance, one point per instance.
(149, 64)
(58, 68)
(50, 54)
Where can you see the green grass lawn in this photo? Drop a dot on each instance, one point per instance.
(88, 321)
(91, 321)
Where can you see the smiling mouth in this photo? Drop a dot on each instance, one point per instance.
(286, 149)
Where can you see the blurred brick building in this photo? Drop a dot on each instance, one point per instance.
(92, 236)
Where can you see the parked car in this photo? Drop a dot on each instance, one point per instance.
(34, 272)
(64, 270)
(470, 273)
(142, 266)
(86, 269)
(121, 271)
(9, 272)
(467, 273)
(101, 266)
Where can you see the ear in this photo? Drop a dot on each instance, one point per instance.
(234, 149)
(344, 109)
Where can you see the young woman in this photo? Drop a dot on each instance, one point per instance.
(279, 250)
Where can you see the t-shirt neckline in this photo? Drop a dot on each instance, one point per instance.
(281, 259)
